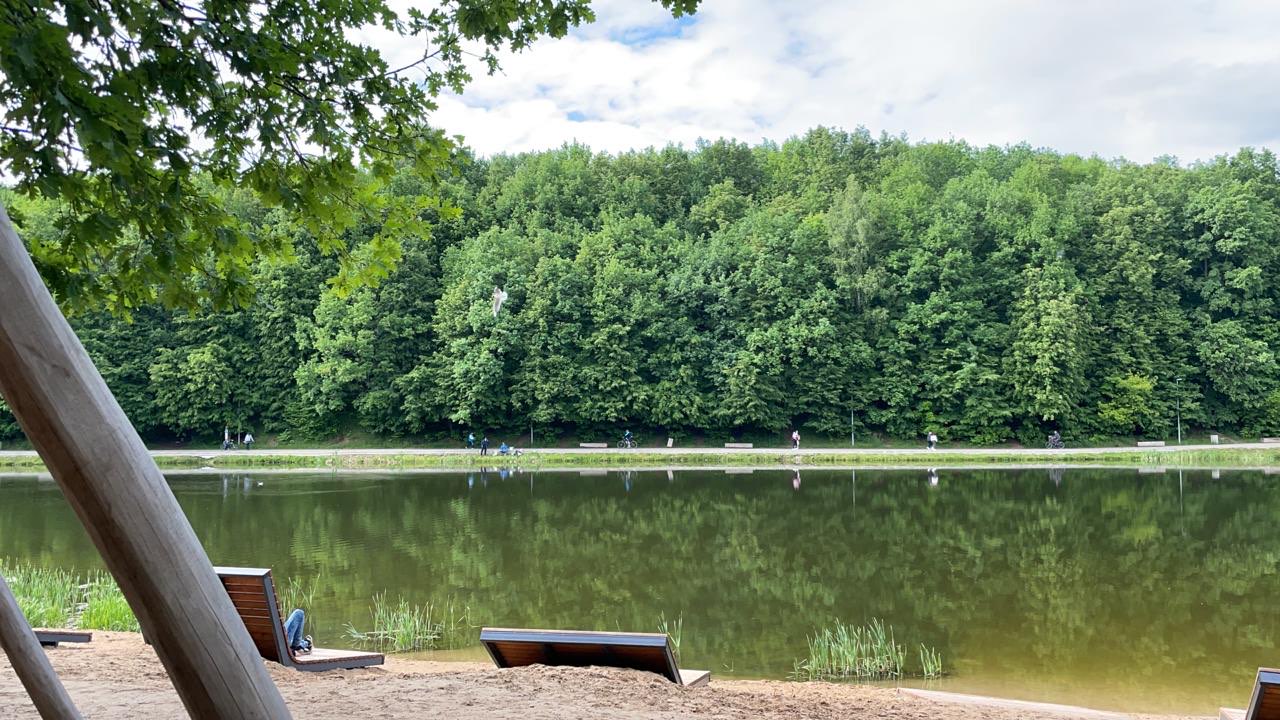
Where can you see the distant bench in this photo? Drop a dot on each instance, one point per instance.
(743, 446)
(1151, 443)
(593, 445)
(1271, 440)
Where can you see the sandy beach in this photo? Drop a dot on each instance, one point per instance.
(118, 676)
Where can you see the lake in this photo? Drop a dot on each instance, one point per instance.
(1113, 588)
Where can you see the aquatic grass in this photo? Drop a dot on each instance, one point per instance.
(301, 593)
(404, 627)
(861, 652)
(104, 606)
(673, 629)
(295, 593)
(47, 596)
(930, 662)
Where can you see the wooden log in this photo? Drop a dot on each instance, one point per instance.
(30, 663)
(119, 495)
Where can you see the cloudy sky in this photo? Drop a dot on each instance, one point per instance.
(1131, 78)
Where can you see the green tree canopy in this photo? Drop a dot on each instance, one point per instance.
(134, 113)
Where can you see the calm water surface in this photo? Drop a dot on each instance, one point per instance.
(1110, 588)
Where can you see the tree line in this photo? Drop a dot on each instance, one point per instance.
(985, 293)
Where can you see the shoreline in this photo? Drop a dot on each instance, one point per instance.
(116, 675)
(1241, 455)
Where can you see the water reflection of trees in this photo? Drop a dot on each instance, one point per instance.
(1108, 578)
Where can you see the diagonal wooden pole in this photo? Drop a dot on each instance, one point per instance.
(30, 663)
(115, 488)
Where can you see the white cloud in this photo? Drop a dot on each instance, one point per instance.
(1139, 78)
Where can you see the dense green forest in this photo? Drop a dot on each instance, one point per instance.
(987, 293)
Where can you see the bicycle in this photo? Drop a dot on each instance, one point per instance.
(628, 443)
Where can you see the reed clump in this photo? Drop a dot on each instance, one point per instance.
(55, 598)
(673, 629)
(104, 606)
(861, 652)
(48, 597)
(401, 626)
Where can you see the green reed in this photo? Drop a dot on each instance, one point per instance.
(672, 629)
(47, 596)
(295, 593)
(104, 606)
(404, 627)
(930, 662)
(862, 652)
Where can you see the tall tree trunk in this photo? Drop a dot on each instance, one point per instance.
(115, 488)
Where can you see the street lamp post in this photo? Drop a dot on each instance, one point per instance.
(1178, 403)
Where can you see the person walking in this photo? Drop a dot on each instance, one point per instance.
(471, 440)
(248, 440)
(484, 445)
(795, 439)
(933, 440)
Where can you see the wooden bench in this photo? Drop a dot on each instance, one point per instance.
(1151, 443)
(740, 446)
(51, 638)
(253, 593)
(593, 445)
(578, 648)
(1265, 702)
(1271, 440)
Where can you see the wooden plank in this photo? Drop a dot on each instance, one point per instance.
(117, 492)
(695, 678)
(1271, 440)
(1151, 443)
(593, 445)
(30, 663)
(321, 659)
(741, 446)
(51, 638)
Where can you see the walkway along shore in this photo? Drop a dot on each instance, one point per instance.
(1259, 455)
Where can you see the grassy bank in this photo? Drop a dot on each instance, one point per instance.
(53, 598)
(393, 460)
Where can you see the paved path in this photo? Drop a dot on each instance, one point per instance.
(847, 452)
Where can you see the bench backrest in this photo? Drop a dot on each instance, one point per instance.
(639, 651)
(254, 595)
(1265, 703)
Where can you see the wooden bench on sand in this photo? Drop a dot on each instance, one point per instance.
(254, 594)
(51, 638)
(637, 651)
(1265, 702)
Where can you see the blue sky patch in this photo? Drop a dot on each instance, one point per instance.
(643, 35)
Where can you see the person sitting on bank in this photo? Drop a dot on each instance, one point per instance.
(504, 448)
(300, 644)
